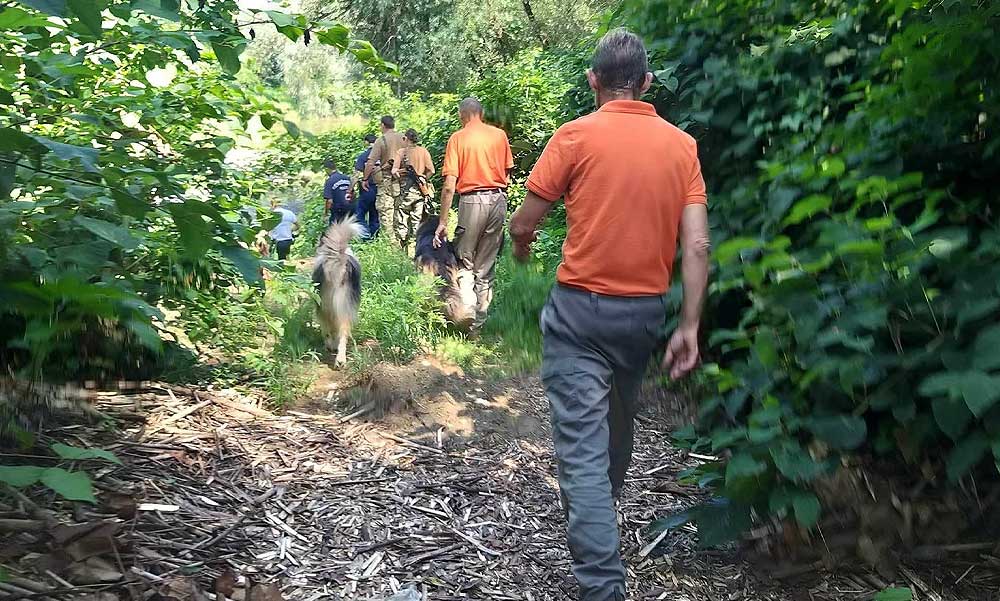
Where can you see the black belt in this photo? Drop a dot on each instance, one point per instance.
(479, 191)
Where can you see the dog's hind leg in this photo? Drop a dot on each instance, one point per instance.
(343, 333)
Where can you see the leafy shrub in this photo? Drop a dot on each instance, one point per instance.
(118, 119)
(849, 149)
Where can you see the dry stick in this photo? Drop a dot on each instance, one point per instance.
(352, 482)
(178, 416)
(386, 543)
(241, 407)
(15, 525)
(432, 554)
(31, 585)
(476, 543)
(253, 505)
(368, 407)
(9, 591)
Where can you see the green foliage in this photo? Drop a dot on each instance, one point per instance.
(113, 142)
(894, 594)
(521, 291)
(78, 454)
(850, 151)
(71, 485)
(398, 305)
(444, 45)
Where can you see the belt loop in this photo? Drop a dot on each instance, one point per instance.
(594, 302)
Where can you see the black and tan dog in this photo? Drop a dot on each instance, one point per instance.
(457, 292)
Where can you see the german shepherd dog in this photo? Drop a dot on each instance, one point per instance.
(337, 274)
(457, 292)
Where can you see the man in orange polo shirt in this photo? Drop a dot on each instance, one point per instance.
(477, 162)
(602, 322)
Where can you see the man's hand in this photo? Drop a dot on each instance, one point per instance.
(441, 234)
(524, 222)
(522, 247)
(682, 352)
(364, 185)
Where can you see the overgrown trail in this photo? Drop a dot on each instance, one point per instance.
(458, 498)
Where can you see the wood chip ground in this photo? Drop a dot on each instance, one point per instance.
(221, 498)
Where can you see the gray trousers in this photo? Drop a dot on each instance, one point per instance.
(595, 352)
(478, 238)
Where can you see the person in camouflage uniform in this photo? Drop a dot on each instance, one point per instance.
(412, 167)
(380, 165)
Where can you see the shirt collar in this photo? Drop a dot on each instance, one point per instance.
(637, 107)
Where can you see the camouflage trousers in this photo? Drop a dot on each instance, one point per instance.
(409, 212)
(386, 202)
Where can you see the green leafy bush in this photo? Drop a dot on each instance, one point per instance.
(850, 151)
(117, 120)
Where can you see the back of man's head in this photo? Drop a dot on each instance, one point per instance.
(620, 63)
(330, 165)
(470, 107)
(388, 122)
(370, 138)
(412, 136)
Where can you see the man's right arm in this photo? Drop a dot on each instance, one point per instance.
(449, 169)
(524, 223)
(682, 349)
(447, 194)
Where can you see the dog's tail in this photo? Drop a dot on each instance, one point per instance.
(341, 274)
(338, 237)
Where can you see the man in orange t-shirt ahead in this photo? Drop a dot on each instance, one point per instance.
(602, 322)
(477, 161)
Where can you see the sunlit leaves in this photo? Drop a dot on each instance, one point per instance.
(227, 51)
(86, 157)
(164, 9)
(13, 17)
(89, 13)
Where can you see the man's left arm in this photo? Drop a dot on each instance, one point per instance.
(524, 224)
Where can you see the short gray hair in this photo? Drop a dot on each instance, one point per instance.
(620, 61)
(470, 106)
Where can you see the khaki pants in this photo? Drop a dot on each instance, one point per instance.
(478, 238)
(409, 212)
(386, 201)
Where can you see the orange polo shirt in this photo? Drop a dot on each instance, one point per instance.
(478, 155)
(626, 175)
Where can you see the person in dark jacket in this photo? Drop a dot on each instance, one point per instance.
(337, 194)
(366, 212)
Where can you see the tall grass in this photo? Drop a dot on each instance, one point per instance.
(520, 294)
(273, 339)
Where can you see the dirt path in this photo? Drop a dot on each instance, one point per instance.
(455, 495)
